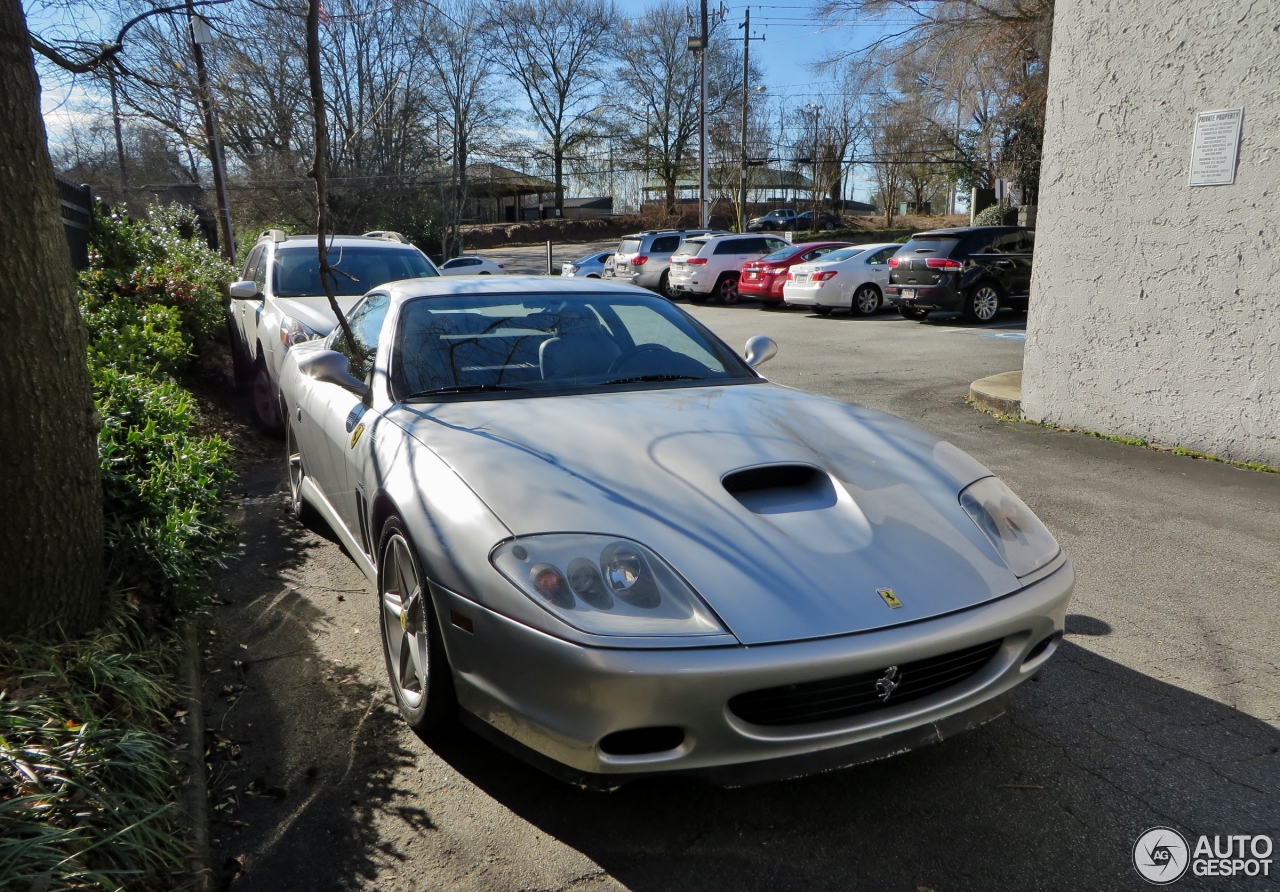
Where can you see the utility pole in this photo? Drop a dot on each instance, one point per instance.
(115, 117)
(746, 76)
(200, 36)
(704, 199)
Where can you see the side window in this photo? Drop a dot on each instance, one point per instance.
(251, 265)
(732, 246)
(665, 245)
(260, 272)
(883, 255)
(366, 324)
(1008, 243)
(1027, 242)
(980, 244)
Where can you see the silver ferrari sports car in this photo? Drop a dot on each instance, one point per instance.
(600, 538)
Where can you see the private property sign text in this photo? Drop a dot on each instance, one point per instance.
(1215, 147)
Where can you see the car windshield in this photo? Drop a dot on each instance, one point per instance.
(590, 258)
(296, 272)
(541, 344)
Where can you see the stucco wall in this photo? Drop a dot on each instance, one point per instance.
(1155, 307)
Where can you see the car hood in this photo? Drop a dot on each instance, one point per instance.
(648, 465)
(314, 312)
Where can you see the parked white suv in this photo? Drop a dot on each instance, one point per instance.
(644, 258)
(280, 302)
(711, 264)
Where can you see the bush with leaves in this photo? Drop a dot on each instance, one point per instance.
(160, 260)
(162, 490)
(996, 215)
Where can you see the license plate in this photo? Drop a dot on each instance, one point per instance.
(753, 275)
(908, 294)
(801, 278)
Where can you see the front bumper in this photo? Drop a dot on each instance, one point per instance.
(556, 700)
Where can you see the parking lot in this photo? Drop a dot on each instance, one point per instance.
(1162, 707)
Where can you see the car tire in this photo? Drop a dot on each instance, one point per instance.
(982, 303)
(664, 287)
(867, 301)
(265, 399)
(726, 290)
(297, 471)
(412, 645)
(913, 313)
(241, 364)
(822, 311)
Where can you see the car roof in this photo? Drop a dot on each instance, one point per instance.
(340, 241)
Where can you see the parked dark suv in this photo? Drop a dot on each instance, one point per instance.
(975, 269)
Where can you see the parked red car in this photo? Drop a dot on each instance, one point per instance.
(764, 278)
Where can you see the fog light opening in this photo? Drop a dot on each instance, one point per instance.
(642, 741)
(1042, 647)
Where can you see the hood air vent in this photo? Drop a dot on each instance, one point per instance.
(781, 489)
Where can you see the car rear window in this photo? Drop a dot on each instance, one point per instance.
(629, 246)
(940, 246)
(692, 246)
(783, 254)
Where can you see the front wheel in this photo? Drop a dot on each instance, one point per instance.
(266, 402)
(866, 301)
(982, 303)
(241, 363)
(727, 290)
(417, 666)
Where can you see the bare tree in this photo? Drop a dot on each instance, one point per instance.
(464, 94)
(556, 51)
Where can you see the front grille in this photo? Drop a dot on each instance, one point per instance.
(850, 695)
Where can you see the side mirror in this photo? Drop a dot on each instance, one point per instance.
(245, 290)
(760, 350)
(332, 367)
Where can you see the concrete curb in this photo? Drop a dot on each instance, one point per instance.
(998, 393)
(194, 791)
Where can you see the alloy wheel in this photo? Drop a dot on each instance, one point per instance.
(866, 301)
(404, 623)
(986, 302)
(727, 290)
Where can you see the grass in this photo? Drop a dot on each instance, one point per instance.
(87, 774)
(1130, 441)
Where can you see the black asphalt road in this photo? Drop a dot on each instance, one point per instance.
(1161, 708)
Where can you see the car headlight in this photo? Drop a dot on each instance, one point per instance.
(604, 585)
(1022, 540)
(293, 332)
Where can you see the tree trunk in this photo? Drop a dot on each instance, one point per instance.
(51, 525)
(559, 179)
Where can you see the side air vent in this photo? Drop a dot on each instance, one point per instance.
(778, 489)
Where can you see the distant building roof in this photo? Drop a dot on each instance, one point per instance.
(760, 178)
(603, 203)
(487, 178)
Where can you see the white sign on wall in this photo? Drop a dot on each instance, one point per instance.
(1216, 147)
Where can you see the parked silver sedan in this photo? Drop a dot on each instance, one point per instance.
(590, 267)
(601, 539)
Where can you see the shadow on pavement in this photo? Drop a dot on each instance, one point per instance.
(1052, 796)
(302, 753)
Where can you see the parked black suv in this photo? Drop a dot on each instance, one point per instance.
(975, 269)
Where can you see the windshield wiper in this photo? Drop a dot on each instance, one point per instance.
(468, 388)
(652, 378)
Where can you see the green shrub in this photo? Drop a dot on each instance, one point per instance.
(996, 215)
(162, 502)
(159, 260)
(131, 335)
